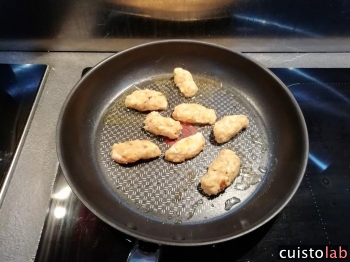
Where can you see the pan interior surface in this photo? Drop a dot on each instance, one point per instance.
(170, 192)
(159, 201)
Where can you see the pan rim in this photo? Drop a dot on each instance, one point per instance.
(132, 233)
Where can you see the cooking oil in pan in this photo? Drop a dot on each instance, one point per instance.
(262, 169)
(241, 186)
(171, 192)
(229, 203)
(191, 178)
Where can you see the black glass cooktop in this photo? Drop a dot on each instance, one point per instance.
(318, 213)
(19, 85)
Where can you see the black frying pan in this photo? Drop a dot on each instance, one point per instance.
(161, 202)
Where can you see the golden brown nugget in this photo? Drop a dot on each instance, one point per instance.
(183, 79)
(221, 172)
(132, 151)
(229, 126)
(164, 126)
(186, 148)
(194, 114)
(146, 100)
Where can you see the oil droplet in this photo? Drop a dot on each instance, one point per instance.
(247, 170)
(190, 215)
(257, 142)
(251, 179)
(264, 148)
(262, 169)
(178, 196)
(178, 222)
(241, 186)
(199, 202)
(191, 177)
(229, 203)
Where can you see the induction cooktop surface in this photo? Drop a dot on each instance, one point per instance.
(19, 87)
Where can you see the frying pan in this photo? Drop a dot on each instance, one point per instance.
(162, 202)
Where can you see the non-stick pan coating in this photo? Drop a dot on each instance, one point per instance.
(169, 192)
(159, 201)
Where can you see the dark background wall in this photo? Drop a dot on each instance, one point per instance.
(113, 25)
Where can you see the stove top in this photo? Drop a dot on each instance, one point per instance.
(19, 86)
(317, 214)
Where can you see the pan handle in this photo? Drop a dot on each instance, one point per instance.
(139, 255)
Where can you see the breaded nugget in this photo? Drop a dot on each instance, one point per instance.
(221, 172)
(183, 79)
(132, 151)
(146, 100)
(164, 126)
(229, 126)
(194, 114)
(186, 148)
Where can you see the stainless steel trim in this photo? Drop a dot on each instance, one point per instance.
(238, 44)
(23, 137)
